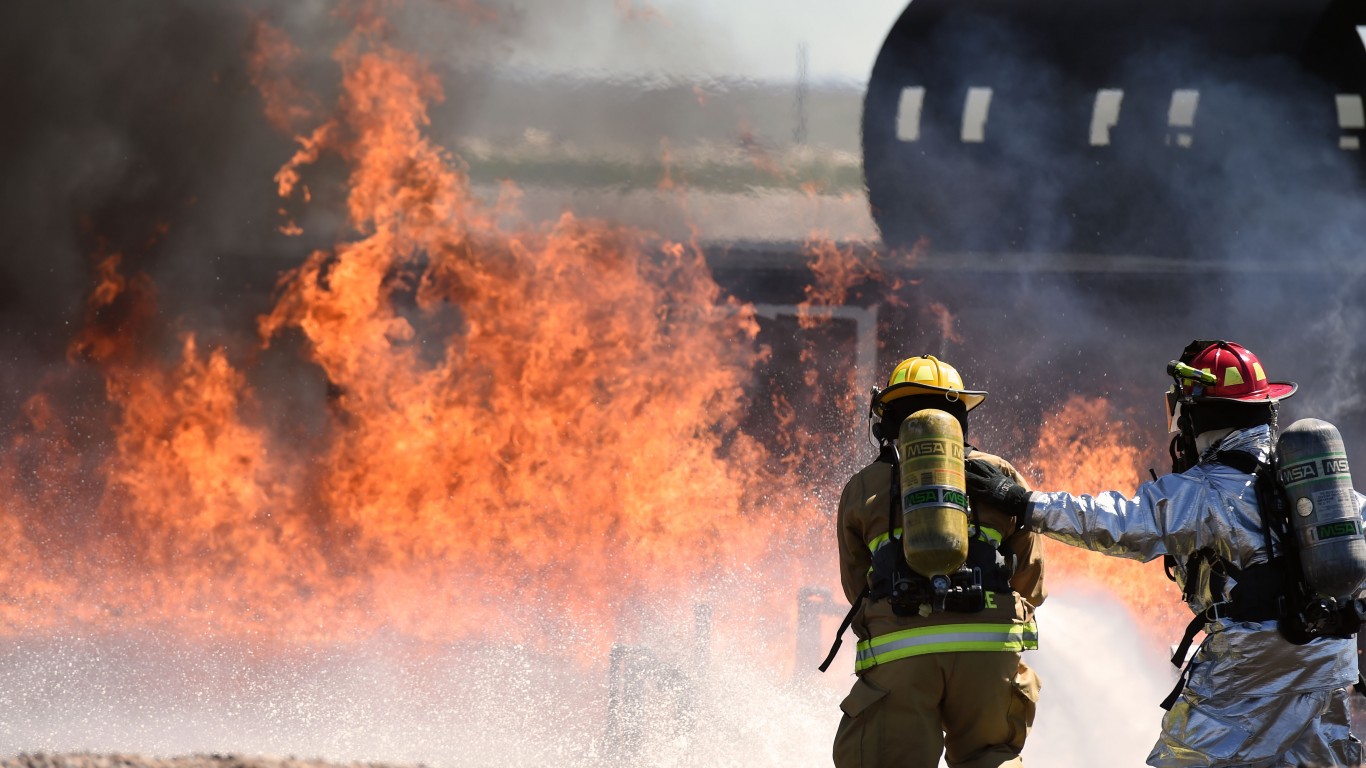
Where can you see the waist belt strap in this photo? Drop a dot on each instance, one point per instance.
(1179, 655)
(1170, 701)
(844, 627)
(1196, 624)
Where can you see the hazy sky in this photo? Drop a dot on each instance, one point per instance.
(753, 39)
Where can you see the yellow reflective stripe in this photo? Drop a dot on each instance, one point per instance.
(945, 639)
(991, 536)
(880, 540)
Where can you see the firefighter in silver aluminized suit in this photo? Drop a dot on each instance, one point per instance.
(1251, 697)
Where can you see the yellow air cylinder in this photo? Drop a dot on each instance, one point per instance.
(934, 503)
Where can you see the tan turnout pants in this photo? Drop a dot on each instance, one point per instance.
(974, 707)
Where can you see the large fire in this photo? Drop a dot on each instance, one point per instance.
(528, 432)
(1079, 451)
(519, 427)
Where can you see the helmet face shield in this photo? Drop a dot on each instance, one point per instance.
(1173, 403)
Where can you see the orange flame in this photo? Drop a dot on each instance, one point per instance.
(530, 434)
(580, 411)
(945, 320)
(527, 435)
(839, 271)
(270, 61)
(1073, 455)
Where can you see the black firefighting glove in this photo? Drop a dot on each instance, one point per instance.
(985, 480)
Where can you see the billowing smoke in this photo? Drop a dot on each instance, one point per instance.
(138, 129)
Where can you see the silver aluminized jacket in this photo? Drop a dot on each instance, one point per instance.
(1252, 699)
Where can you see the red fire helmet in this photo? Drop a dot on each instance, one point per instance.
(1238, 376)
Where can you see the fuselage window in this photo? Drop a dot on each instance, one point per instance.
(908, 113)
(1181, 117)
(975, 109)
(1351, 118)
(1105, 115)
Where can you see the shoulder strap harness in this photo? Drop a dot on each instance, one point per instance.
(909, 593)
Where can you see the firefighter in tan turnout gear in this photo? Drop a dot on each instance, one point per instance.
(943, 592)
(1263, 533)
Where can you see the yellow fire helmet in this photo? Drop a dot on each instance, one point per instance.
(926, 375)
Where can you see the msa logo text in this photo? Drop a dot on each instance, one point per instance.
(1337, 466)
(1337, 529)
(932, 448)
(1298, 472)
(955, 498)
(925, 496)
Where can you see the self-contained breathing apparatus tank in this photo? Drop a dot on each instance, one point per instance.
(935, 535)
(934, 502)
(1325, 526)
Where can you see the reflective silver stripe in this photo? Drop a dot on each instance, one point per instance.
(945, 639)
